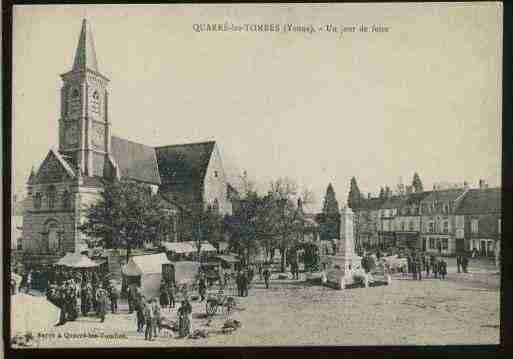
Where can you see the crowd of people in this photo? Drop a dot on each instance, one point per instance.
(80, 293)
(431, 264)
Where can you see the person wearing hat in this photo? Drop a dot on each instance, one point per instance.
(139, 308)
(155, 307)
(267, 276)
(114, 295)
(184, 322)
(149, 320)
(101, 299)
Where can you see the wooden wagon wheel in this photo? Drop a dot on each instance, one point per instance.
(211, 307)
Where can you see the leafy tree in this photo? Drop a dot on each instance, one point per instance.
(355, 197)
(287, 221)
(417, 183)
(125, 216)
(208, 226)
(329, 218)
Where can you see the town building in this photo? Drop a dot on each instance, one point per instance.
(369, 222)
(408, 222)
(438, 220)
(450, 219)
(188, 176)
(478, 219)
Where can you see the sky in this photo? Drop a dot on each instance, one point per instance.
(424, 96)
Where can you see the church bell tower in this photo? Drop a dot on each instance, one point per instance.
(84, 127)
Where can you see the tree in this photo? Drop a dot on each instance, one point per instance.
(208, 226)
(125, 216)
(388, 192)
(287, 221)
(417, 183)
(354, 198)
(329, 219)
(330, 205)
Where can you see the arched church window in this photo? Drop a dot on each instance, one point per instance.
(51, 197)
(66, 200)
(37, 201)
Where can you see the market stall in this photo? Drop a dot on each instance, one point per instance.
(146, 271)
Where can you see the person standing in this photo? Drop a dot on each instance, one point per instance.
(443, 269)
(139, 302)
(149, 320)
(409, 261)
(114, 296)
(428, 265)
(458, 263)
(157, 320)
(245, 282)
(420, 266)
(171, 292)
(238, 280)
(29, 281)
(164, 296)
(434, 266)
(202, 287)
(184, 322)
(267, 276)
(132, 296)
(464, 263)
(101, 299)
(414, 267)
(61, 303)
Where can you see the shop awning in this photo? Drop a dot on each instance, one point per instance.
(205, 246)
(228, 258)
(179, 247)
(76, 260)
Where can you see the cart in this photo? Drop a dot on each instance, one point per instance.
(218, 299)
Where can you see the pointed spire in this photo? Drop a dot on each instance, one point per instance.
(85, 56)
(32, 176)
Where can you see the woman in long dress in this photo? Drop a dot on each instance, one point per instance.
(184, 321)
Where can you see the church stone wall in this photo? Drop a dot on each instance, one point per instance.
(215, 185)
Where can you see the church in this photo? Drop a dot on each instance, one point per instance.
(71, 176)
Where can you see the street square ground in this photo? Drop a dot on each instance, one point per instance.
(464, 309)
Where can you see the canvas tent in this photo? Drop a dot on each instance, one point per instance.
(148, 268)
(76, 260)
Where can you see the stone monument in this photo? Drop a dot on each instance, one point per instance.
(345, 256)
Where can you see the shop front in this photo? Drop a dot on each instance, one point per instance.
(408, 240)
(484, 246)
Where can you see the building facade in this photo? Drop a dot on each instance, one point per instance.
(478, 220)
(446, 221)
(72, 175)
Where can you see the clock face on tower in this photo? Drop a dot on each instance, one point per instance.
(71, 134)
(98, 135)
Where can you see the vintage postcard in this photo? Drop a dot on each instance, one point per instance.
(256, 175)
